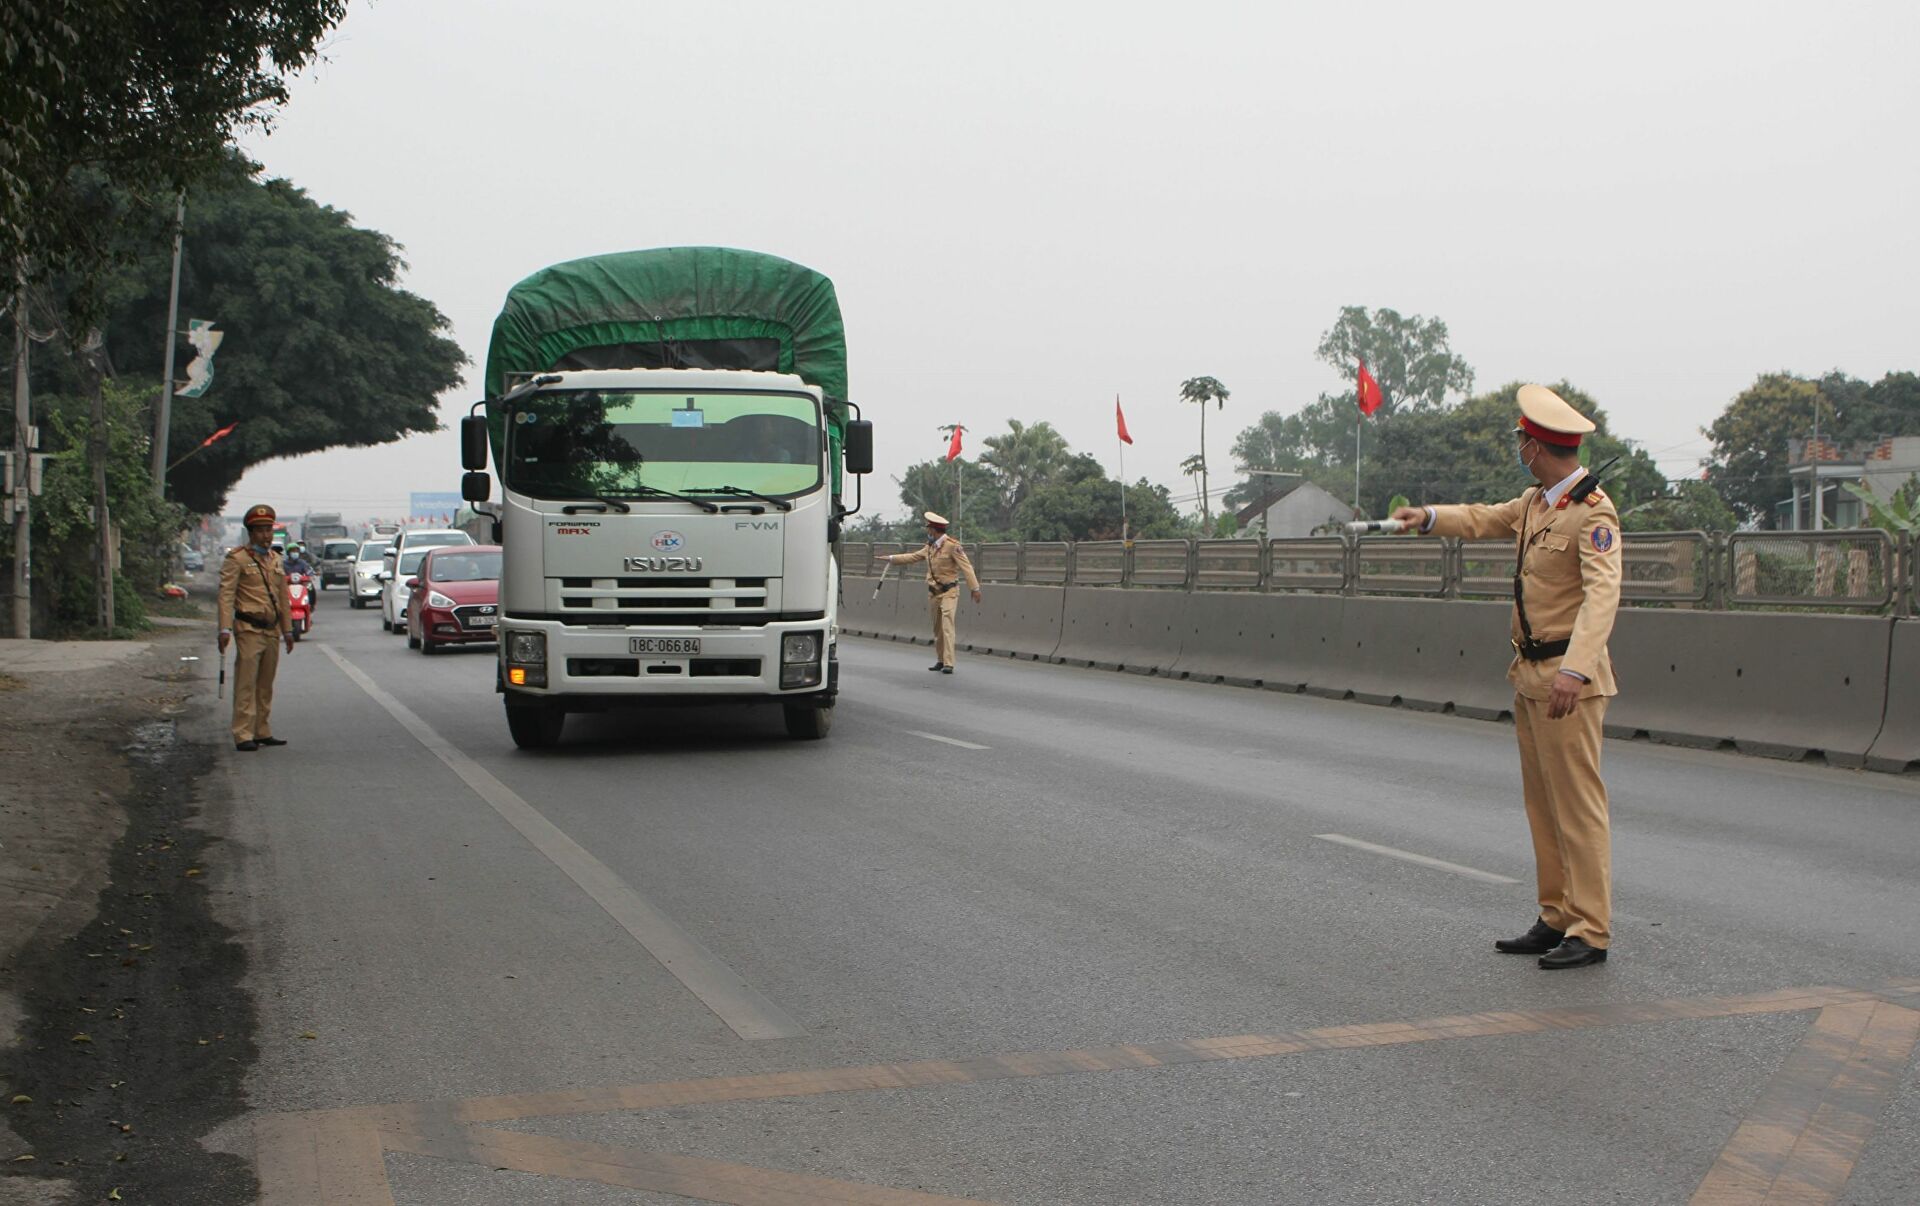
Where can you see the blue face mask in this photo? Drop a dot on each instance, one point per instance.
(1520, 454)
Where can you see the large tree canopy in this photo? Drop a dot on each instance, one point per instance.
(1409, 356)
(149, 93)
(1750, 438)
(322, 348)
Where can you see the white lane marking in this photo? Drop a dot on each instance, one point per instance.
(965, 745)
(1411, 857)
(719, 987)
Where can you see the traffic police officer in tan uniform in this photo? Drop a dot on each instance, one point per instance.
(946, 562)
(1566, 591)
(254, 618)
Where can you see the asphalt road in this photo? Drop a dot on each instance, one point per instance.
(1029, 894)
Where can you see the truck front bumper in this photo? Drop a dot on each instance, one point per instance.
(614, 665)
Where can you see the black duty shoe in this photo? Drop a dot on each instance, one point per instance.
(946, 669)
(1536, 941)
(936, 666)
(1573, 952)
(269, 741)
(248, 746)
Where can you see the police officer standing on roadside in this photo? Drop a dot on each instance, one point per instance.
(1566, 589)
(946, 562)
(254, 618)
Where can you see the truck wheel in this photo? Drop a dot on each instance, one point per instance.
(535, 726)
(808, 723)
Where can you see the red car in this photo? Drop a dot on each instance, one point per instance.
(454, 599)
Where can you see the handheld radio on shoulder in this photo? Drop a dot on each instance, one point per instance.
(1591, 482)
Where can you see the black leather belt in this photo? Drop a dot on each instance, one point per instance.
(941, 588)
(1540, 651)
(267, 622)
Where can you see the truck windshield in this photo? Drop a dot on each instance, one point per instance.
(606, 443)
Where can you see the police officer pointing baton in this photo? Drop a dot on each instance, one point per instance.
(1566, 590)
(946, 562)
(254, 619)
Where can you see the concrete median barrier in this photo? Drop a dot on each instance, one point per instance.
(861, 612)
(1426, 655)
(1013, 621)
(1111, 629)
(1774, 684)
(1897, 748)
(1280, 642)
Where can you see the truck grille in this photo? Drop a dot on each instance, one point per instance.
(626, 598)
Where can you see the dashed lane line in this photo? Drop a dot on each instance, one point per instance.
(1423, 860)
(705, 975)
(965, 745)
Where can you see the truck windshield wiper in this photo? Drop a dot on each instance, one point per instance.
(657, 492)
(598, 504)
(737, 492)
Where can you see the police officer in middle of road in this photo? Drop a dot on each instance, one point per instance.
(1566, 591)
(946, 562)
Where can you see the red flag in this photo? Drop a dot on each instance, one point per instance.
(953, 449)
(1370, 395)
(1120, 417)
(221, 434)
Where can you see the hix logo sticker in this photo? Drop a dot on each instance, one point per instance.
(669, 541)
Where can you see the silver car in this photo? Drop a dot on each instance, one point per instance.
(363, 582)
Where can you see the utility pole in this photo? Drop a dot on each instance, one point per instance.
(161, 413)
(22, 465)
(102, 516)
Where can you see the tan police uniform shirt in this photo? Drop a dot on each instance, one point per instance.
(256, 586)
(946, 562)
(1570, 571)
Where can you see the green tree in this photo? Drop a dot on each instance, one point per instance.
(323, 349)
(933, 486)
(1083, 503)
(65, 528)
(150, 94)
(1025, 458)
(1200, 391)
(1408, 356)
(1687, 507)
(1750, 454)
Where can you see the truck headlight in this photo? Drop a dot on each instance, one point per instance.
(525, 655)
(800, 647)
(527, 648)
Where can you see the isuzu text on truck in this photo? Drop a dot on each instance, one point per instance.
(669, 429)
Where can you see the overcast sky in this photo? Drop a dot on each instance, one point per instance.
(1030, 208)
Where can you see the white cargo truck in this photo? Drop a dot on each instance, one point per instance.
(669, 429)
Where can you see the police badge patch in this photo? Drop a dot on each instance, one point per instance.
(1602, 539)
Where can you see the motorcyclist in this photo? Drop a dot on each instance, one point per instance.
(297, 560)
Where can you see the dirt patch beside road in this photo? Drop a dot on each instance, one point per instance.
(123, 1016)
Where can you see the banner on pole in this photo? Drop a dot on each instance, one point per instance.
(205, 341)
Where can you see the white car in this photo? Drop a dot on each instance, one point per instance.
(401, 562)
(363, 580)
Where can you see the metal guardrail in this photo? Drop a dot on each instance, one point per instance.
(1859, 569)
(1228, 564)
(1851, 568)
(1099, 563)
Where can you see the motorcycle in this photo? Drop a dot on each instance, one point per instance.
(300, 603)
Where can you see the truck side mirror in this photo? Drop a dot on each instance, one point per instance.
(858, 446)
(474, 487)
(473, 444)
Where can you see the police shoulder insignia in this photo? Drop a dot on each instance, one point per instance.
(1596, 498)
(1602, 538)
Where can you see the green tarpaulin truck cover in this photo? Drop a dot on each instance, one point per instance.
(674, 307)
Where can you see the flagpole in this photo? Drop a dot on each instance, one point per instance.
(1358, 415)
(1121, 445)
